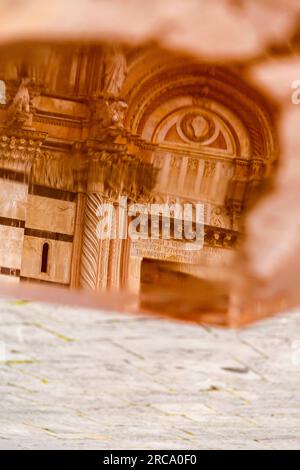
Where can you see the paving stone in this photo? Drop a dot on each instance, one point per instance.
(85, 379)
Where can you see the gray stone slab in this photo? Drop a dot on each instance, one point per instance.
(85, 379)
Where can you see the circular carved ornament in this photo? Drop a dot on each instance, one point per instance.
(197, 127)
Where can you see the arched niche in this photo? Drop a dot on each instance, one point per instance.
(213, 133)
(199, 123)
(160, 87)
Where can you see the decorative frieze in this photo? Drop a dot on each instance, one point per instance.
(19, 149)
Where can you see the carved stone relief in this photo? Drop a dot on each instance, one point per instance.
(18, 150)
(219, 217)
(19, 112)
(115, 69)
(109, 113)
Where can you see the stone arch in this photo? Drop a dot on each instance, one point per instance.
(213, 133)
(216, 130)
(156, 82)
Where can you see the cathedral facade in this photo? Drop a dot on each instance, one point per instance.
(83, 125)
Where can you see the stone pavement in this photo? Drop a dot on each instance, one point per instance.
(84, 379)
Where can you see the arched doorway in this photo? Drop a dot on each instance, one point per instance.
(212, 137)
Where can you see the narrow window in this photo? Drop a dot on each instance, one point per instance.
(44, 265)
(2, 92)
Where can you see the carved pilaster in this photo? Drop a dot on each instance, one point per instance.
(77, 240)
(90, 244)
(116, 249)
(80, 166)
(256, 182)
(238, 185)
(111, 172)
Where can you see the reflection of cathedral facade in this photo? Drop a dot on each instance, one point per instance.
(85, 125)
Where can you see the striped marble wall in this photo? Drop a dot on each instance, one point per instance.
(13, 200)
(50, 220)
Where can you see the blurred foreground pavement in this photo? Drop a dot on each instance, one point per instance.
(84, 379)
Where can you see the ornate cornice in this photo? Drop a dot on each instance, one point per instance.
(58, 121)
